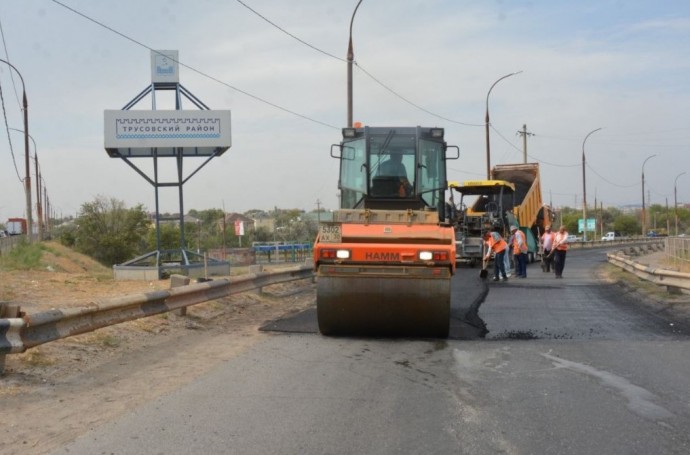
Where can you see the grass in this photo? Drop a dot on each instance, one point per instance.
(36, 357)
(104, 339)
(23, 257)
(41, 256)
(643, 286)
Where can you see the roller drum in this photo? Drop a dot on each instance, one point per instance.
(383, 306)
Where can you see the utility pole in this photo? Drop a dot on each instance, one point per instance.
(524, 133)
(224, 229)
(318, 210)
(595, 215)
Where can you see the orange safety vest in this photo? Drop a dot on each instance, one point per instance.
(561, 241)
(496, 245)
(517, 248)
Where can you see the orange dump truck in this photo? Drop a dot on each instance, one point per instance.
(385, 262)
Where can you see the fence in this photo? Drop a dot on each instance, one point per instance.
(282, 252)
(678, 252)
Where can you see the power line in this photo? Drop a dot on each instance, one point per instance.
(608, 181)
(360, 67)
(9, 140)
(4, 111)
(532, 157)
(14, 85)
(288, 33)
(201, 73)
(410, 102)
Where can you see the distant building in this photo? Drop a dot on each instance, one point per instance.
(231, 218)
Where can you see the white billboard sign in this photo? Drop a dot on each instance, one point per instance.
(133, 133)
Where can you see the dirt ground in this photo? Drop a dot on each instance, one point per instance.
(51, 394)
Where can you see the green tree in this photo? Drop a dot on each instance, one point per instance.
(262, 234)
(609, 216)
(170, 237)
(627, 225)
(109, 232)
(570, 221)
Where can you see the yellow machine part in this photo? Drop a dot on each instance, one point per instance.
(383, 305)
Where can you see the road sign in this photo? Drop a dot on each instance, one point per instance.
(591, 224)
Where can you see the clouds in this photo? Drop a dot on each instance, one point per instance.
(617, 65)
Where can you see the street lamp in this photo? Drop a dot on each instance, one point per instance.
(486, 124)
(644, 219)
(675, 200)
(350, 58)
(39, 212)
(584, 188)
(27, 180)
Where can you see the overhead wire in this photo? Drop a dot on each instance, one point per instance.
(199, 72)
(7, 55)
(607, 180)
(533, 157)
(358, 66)
(7, 129)
(4, 110)
(288, 33)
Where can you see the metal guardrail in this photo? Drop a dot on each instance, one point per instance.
(610, 243)
(672, 279)
(19, 332)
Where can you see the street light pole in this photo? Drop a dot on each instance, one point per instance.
(27, 179)
(675, 200)
(644, 219)
(350, 59)
(486, 124)
(39, 212)
(584, 188)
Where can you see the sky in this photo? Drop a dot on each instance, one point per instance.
(618, 65)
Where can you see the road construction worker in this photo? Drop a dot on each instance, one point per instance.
(560, 248)
(519, 251)
(495, 243)
(547, 239)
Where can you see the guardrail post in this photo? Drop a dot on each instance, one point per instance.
(177, 281)
(7, 311)
(673, 290)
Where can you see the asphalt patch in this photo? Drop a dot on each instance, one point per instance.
(302, 322)
(465, 323)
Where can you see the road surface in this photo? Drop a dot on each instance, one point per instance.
(534, 365)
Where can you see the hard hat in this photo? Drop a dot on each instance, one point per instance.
(513, 228)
